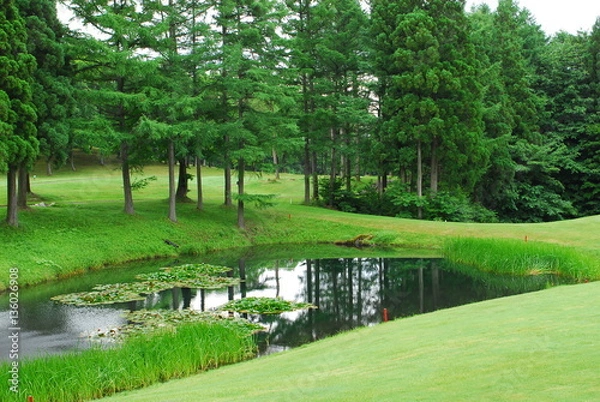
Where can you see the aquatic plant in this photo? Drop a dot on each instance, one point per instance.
(264, 305)
(150, 320)
(194, 276)
(96, 297)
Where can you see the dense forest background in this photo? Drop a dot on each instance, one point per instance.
(411, 108)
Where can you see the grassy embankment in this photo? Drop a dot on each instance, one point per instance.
(534, 346)
(539, 346)
(142, 360)
(85, 227)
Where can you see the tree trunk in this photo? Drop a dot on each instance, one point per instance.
(172, 192)
(346, 160)
(49, 171)
(315, 177)
(307, 169)
(126, 174)
(182, 182)
(419, 179)
(435, 166)
(72, 160)
(200, 203)
(12, 214)
(332, 168)
(241, 219)
(23, 187)
(276, 164)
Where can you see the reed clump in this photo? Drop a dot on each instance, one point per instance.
(520, 257)
(142, 360)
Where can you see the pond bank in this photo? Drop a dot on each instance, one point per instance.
(68, 240)
(538, 346)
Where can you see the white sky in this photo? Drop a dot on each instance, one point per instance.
(552, 15)
(556, 15)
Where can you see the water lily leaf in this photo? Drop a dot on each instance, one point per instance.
(264, 305)
(151, 320)
(142, 288)
(109, 296)
(184, 272)
(207, 282)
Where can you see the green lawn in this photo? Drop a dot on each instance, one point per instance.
(540, 346)
(535, 347)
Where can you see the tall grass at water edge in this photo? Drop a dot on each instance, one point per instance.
(514, 257)
(142, 360)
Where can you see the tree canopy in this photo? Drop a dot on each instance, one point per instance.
(406, 108)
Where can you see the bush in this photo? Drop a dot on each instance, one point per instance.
(399, 201)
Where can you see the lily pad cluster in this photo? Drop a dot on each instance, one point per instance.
(152, 320)
(195, 276)
(264, 305)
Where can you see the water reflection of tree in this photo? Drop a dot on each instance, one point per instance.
(349, 292)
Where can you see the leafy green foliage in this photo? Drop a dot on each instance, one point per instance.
(260, 201)
(93, 298)
(152, 320)
(263, 305)
(398, 201)
(195, 276)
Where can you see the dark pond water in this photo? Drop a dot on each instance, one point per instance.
(349, 292)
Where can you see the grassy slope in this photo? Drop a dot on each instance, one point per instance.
(86, 228)
(539, 346)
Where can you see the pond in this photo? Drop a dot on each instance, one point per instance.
(348, 291)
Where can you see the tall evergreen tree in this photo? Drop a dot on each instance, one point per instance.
(18, 143)
(115, 69)
(521, 183)
(431, 97)
(53, 91)
(253, 97)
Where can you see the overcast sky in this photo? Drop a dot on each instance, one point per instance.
(557, 15)
(552, 15)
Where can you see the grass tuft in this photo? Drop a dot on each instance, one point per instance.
(142, 360)
(519, 258)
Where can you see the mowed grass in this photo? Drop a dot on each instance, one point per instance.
(539, 346)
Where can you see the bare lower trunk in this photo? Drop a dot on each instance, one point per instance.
(172, 192)
(435, 166)
(200, 203)
(307, 170)
(23, 187)
(332, 168)
(241, 218)
(182, 182)
(419, 179)
(12, 215)
(72, 161)
(276, 163)
(126, 174)
(315, 177)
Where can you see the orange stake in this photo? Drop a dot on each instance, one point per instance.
(385, 315)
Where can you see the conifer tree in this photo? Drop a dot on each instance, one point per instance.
(18, 143)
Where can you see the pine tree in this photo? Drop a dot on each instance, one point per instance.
(114, 70)
(18, 143)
